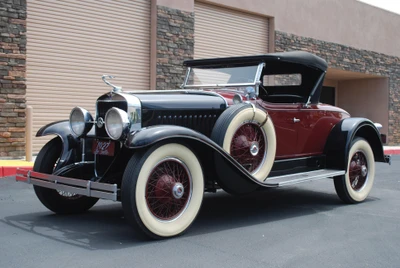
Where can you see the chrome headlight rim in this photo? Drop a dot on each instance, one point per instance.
(85, 120)
(120, 127)
(237, 98)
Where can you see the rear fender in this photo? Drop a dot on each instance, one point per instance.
(215, 160)
(69, 140)
(343, 133)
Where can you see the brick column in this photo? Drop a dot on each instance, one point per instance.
(175, 43)
(12, 77)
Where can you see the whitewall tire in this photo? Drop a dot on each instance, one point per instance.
(356, 184)
(248, 135)
(162, 190)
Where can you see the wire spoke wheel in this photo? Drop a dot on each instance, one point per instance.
(68, 195)
(248, 146)
(162, 190)
(246, 133)
(168, 189)
(358, 171)
(356, 184)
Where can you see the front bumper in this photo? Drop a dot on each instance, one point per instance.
(71, 185)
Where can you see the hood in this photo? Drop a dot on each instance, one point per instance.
(180, 100)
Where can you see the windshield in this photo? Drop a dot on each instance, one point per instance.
(222, 76)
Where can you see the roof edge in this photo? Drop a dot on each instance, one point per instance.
(296, 57)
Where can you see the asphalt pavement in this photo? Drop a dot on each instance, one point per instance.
(298, 226)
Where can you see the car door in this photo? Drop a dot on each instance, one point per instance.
(314, 125)
(284, 118)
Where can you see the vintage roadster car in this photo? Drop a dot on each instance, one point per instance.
(237, 124)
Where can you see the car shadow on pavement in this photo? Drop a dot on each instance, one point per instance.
(224, 211)
(104, 227)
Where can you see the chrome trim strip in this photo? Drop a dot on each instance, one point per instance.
(189, 69)
(221, 85)
(187, 91)
(257, 79)
(196, 92)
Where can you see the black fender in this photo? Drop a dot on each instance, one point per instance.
(237, 179)
(69, 140)
(342, 134)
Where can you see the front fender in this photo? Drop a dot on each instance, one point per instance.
(63, 131)
(151, 135)
(339, 140)
(240, 180)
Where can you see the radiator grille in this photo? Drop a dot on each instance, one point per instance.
(104, 162)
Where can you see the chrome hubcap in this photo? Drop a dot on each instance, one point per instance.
(254, 149)
(364, 170)
(178, 190)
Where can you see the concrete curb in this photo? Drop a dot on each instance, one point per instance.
(9, 167)
(392, 150)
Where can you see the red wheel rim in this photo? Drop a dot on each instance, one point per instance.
(358, 171)
(168, 189)
(248, 146)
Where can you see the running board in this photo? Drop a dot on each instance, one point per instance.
(291, 179)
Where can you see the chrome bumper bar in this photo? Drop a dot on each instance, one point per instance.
(75, 186)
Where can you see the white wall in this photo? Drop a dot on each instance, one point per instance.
(366, 98)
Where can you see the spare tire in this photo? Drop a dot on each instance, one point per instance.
(248, 135)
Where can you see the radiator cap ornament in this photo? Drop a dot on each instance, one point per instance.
(115, 88)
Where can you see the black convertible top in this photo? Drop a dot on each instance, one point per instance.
(296, 57)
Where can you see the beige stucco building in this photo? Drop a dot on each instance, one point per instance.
(53, 53)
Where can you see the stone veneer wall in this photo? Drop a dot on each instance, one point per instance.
(175, 43)
(12, 77)
(355, 60)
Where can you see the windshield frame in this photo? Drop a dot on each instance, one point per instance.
(255, 82)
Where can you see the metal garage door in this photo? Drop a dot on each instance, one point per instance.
(72, 43)
(221, 32)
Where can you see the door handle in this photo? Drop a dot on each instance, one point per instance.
(296, 120)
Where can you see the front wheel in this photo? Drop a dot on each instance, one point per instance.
(58, 201)
(356, 184)
(162, 190)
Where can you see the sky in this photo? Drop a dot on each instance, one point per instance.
(391, 5)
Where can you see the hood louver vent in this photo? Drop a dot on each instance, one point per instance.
(200, 121)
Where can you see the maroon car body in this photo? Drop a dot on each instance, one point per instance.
(298, 139)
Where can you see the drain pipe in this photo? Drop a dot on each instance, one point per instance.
(28, 133)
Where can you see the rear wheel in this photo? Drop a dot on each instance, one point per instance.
(356, 184)
(162, 190)
(57, 201)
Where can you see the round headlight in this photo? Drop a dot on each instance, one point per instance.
(117, 123)
(80, 121)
